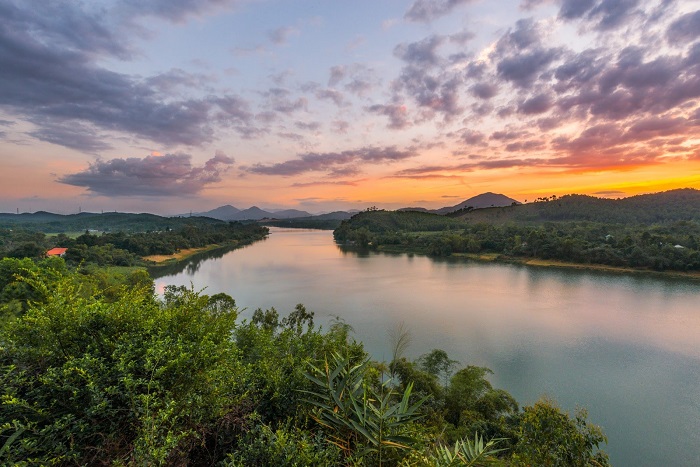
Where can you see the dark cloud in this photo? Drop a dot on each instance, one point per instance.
(525, 34)
(175, 78)
(435, 93)
(292, 136)
(472, 137)
(397, 114)
(523, 69)
(50, 78)
(609, 192)
(602, 15)
(338, 162)
(525, 146)
(536, 105)
(72, 135)
(574, 9)
(484, 90)
(684, 29)
(610, 14)
(310, 126)
(168, 175)
(428, 10)
(333, 95)
(423, 53)
(337, 74)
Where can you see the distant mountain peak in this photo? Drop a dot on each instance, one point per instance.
(484, 200)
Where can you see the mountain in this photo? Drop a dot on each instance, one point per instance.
(224, 213)
(289, 214)
(252, 214)
(335, 215)
(484, 200)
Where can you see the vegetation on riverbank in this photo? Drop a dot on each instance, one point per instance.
(115, 375)
(671, 244)
(129, 247)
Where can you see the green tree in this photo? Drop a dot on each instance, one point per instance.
(548, 436)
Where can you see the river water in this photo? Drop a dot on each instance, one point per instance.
(626, 347)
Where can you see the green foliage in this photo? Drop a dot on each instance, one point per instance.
(286, 446)
(550, 437)
(437, 363)
(89, 381)
(468, 454)
(365, 423)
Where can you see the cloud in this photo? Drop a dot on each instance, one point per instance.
(423, 53)
(49, 76)
(340, 126)
(324, 182)
(484, 90)
(397, 113)
(613, 13)
(684, 29)
(279, 100)
(574, 9)
(279, 36)
(337, 162)
(168, 175)
(172, 10)
(536, 105)
(523, 69)
(333, 95)
(74, 135)
(428, 10)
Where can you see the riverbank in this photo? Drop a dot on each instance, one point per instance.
(547, 263)
(184, 254)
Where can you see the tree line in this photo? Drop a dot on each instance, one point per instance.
(126, 249)
(668, 246)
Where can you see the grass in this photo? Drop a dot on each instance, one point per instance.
(161, 260)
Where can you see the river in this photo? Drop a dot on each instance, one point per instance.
(624, 346)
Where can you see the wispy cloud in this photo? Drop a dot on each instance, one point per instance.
(341, 163)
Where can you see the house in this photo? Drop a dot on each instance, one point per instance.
(57, 252)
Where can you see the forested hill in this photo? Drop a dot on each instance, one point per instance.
(110, 221)
(378, 221)
(669, 206)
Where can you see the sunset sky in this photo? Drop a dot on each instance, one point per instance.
(168, 106)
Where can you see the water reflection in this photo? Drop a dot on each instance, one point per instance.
(193, 263)
(626, 347)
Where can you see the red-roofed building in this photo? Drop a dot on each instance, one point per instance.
(57, 252)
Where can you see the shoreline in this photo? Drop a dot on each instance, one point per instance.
(547, 263)
(181, 255)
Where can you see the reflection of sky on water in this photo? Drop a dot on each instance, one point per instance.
(626, 347)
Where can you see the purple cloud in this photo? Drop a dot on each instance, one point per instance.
(342, 163)
(168, 175)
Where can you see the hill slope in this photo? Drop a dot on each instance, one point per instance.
(668, 206)
(484, 200)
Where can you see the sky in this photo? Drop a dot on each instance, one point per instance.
(171, 106)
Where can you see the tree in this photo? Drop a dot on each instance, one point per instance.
(548, 436)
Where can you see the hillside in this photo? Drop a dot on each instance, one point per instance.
(669, 206)
(484, 200)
